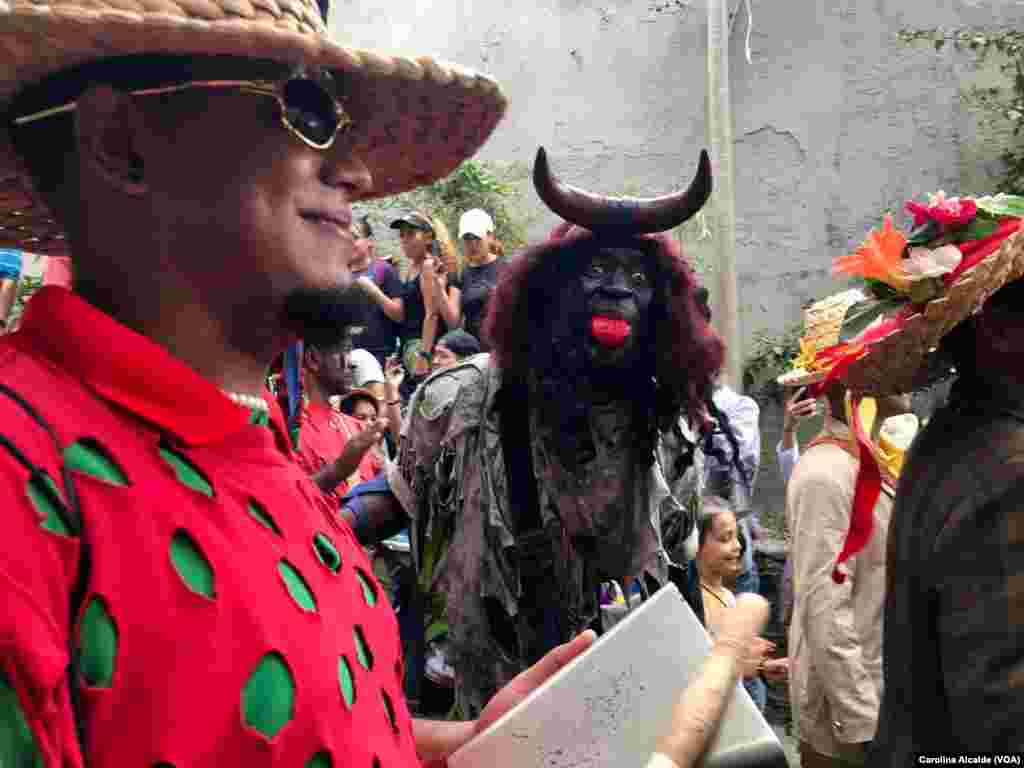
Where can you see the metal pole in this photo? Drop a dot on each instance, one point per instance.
(722, 206)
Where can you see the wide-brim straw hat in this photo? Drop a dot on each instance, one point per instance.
(908, 359)
(416, 119)
(823, 321)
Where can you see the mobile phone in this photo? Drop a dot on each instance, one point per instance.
(435, 249)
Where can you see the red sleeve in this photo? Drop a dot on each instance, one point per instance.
(38, 570)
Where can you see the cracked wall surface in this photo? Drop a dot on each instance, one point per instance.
(835, 120)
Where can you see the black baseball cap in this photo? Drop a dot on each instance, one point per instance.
(414, 220)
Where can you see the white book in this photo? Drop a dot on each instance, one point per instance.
(608, 707)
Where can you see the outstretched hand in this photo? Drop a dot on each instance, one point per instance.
(699, 709)
(526, 682)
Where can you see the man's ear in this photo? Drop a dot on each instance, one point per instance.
(108, 129)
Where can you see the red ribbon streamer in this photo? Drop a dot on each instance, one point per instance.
(975, 251)
(865, 496)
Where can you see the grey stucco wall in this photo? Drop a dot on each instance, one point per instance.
(835, 119)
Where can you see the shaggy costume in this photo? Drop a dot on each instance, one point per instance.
(526, 490)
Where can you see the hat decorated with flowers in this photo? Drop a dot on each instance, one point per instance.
(919, 285)
(823, 321)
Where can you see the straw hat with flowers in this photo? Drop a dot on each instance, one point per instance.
(416, 119)
(919, 285)
(823, 321)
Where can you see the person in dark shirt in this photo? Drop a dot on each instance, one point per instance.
(482, 252)
(380, 328)
(431, 293)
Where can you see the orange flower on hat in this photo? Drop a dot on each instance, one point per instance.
(879, 257)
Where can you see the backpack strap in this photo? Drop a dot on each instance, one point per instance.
(76, 523)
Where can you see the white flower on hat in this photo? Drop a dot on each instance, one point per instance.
(926, 263)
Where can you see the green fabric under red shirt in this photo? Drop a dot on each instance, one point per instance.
(230, 618)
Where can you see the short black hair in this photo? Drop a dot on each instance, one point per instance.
(460, 343)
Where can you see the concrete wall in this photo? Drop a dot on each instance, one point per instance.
(836, 120)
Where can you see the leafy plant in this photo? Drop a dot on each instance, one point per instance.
(999, 106)
(770, 355)
(474, 184)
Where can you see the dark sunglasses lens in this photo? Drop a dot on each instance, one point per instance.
(309, 109)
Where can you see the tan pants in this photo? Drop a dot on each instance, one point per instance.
(810, 758)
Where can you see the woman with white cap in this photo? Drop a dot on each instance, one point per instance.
(483, 263)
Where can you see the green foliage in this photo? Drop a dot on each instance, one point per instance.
(770, 355)
(474, 184)
(26, 287)
(999, 106)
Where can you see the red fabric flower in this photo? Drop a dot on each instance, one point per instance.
(946, 211)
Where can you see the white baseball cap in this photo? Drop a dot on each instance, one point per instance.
(475, 222)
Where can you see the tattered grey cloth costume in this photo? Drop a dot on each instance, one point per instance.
(451, 480)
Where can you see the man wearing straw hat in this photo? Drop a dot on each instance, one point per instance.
(176, 591)
(952, 294)
(835, 637)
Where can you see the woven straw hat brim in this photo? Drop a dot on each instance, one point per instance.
(823, 322)
(800, 377)
(900, 362)
(415, 120)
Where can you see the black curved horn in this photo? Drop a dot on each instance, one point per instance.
(624, 215)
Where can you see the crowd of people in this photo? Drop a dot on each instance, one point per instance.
(274, 500)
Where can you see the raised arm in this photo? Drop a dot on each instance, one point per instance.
(393, 308)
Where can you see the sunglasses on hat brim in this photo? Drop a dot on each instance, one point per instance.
(308, 104)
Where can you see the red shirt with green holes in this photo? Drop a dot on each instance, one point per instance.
(229, 619)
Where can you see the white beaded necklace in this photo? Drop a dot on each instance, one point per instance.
(252, 402)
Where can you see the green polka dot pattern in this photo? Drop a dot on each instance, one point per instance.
(346, 681)
(90, 458)
(297, 586)
(186, 471)
(259, 417)
(362, 649)
(320, 760)
(17, 745)
(260, 514)
(98, 643)
(326, 552)
(46, 498)
(268, 699)
(369, 591)
(191, 564)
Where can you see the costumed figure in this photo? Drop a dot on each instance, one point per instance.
(942, 299)
(565, 458)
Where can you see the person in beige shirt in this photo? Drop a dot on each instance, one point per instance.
(835, 638)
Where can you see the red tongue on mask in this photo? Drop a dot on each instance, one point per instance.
(609, 331)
